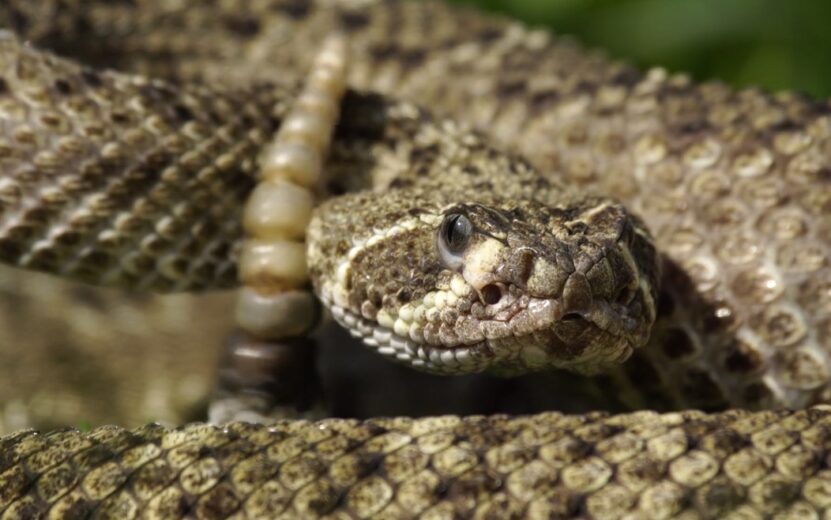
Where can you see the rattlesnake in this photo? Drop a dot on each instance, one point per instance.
(732, 185)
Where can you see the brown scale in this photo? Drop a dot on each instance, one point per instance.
(165, 150)
(767, 169)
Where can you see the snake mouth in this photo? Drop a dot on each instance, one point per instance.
(527, 335)
(546, 334)
(461, 359)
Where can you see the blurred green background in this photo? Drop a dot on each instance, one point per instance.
(774, 43)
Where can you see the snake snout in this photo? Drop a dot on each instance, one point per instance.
(577, 296)
(599, 277)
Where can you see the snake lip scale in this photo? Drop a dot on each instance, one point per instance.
(446, 360)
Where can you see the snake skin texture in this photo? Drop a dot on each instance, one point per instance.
(733, 185)
(639, 465)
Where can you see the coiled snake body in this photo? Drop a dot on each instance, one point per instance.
(123, 180)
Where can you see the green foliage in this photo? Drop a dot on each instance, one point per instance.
(773, 43)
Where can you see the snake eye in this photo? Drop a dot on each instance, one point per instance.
(454, 235)
(455, 231)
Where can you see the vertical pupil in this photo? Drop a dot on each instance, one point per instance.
(457, 231)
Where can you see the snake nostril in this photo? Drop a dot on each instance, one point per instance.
(491, 294)
(571, 316)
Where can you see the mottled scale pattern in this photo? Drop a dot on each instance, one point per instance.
(734, 185)
(67, 130)
(712, 172)
(641, 465)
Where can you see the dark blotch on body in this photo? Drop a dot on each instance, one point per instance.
(62, 86)
(91, 78)
(243, 26)
(352, 21)
(296, 10)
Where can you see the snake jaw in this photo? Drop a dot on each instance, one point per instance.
(516, 335)
(404, 349)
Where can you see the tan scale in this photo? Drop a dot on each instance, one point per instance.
(273, 302)
(570, 112)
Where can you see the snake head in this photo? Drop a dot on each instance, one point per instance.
(505, 286)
